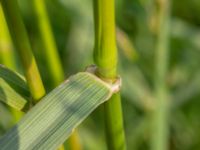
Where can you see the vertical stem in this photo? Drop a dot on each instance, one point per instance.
(56, 71)
(7, 54)
(114, 124)
(161, 113)
(22, 44)
(50, 49)
(6, 48)
(73, 141)
(105, 56)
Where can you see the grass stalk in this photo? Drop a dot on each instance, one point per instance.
(6, 47)
(74, 141)
(105, 56)
(49, 46)
(50, 50)
(160, 131)
(22, 44)
(7, 55)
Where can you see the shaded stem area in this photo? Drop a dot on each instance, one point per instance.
(48, 41)
(105, 57)
(160, 131)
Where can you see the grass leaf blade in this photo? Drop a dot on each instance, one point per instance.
(51, 121)
(13, 89)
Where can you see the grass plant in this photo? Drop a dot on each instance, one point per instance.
(105, 57)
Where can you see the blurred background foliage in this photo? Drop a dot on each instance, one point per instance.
(72, 23)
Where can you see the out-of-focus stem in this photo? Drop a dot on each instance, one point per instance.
(49, 46)
(161, 114)
(74, 141)
(50, 50)
(7, 54)
(6, 48)
(22, 44)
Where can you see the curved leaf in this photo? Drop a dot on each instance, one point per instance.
(13, 89)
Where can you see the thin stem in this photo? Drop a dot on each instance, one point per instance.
(51, 53)
(114, 124)
(22, 44)
(6, 47)
(105, 56)
(49, 46)
(160, 123)
(7, 55)
(50, 50)
(73, 141)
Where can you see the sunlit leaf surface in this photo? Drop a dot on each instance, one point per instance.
(51, 121)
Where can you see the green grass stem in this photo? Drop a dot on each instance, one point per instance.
(160, 127)
(49, 46)
(6, 47)
(105, 56)
(50, 52)
(7, 55)
(22, 44)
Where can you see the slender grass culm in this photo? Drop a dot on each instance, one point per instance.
(50, 50)
(51, 56)
(22, 44)
(105, 56)
(7, 55)
(162, 109)
(6, 47)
